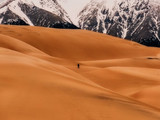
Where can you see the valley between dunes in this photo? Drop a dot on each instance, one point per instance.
(39, 78)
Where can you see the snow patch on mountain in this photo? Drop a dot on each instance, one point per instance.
(1, 19)
(155, 2)
(48, 5)
(137, 20)
(17, 10)
(46, 13)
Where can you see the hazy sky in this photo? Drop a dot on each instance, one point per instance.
(1, 0)
(73, 6)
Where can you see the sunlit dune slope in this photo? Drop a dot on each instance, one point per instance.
(149, 95)
(39, 78)
(77, 44)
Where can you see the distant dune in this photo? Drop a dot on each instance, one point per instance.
(39, 78)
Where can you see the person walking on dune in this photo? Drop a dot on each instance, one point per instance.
(78, 66)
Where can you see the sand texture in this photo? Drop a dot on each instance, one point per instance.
(39, 79)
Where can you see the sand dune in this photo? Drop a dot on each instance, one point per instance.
(39, 79)
(149, 95)
(77, 46)
(144, 62)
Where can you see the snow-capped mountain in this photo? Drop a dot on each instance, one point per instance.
(47, 13)
(137, 20)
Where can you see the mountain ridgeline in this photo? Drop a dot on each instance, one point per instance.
(37, 13)
(136, 20)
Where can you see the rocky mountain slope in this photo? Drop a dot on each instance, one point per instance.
(137, 20)
(47, 13)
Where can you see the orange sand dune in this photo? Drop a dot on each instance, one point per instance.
(39, 78)
(124, 80)
(147, 62)
(77, 44)
(149, 95)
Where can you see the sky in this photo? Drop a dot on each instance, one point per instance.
(1, 0)
(73, 7)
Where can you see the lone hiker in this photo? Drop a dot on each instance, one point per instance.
(78, 66)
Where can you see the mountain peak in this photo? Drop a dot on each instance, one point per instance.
(136, 20)
(47, 13)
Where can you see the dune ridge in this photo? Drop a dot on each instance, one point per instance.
(39, 78)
